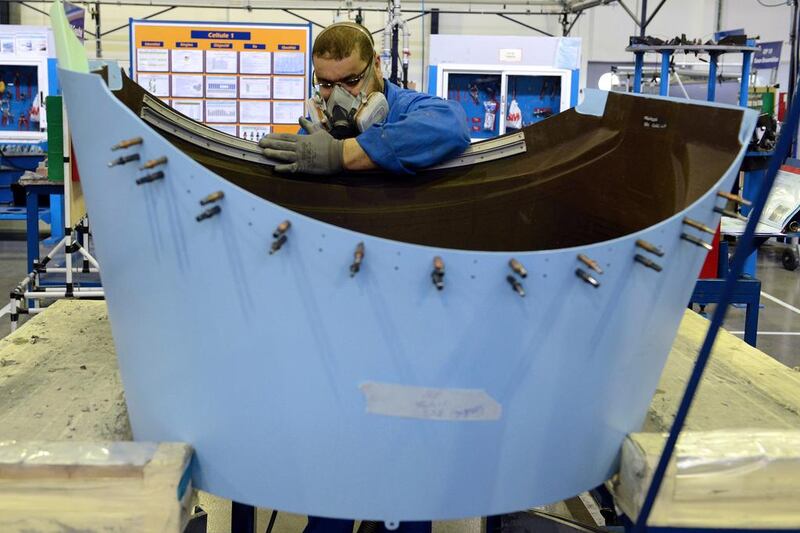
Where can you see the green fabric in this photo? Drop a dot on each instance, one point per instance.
(768, 103)
(55, 139)
(70, 52)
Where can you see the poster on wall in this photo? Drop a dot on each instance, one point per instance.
(242, 79)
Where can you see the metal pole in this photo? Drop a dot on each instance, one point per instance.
(637, 72)
(643, 22)
(747, 58)
(96, 16)
(793, 54)
(795, 51)
(573, 23)
(243, 518)
(663, 88)
(654, 13)
(712, 76)
(395, 50)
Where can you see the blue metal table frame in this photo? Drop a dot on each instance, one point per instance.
(713, 51)
(752, 183)
(32, 193)
(746, 291)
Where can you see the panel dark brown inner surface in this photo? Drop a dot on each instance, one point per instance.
(583, 179)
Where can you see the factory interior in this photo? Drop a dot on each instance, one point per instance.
(362, 265)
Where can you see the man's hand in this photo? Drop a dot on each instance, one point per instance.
(318, 153)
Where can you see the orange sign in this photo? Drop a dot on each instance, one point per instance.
(245, 80)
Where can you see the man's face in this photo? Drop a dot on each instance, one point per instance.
(346, 71)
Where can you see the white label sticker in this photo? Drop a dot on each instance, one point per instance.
(467, 405)
(511, 55)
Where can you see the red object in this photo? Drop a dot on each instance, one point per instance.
(782, 107)
(73, 166)
(710, 268)
(793, 170)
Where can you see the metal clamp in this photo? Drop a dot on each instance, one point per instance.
(437, 276)
(518, 268)
(516, 285)
(208, 213)
(127, 143)
(358, 257)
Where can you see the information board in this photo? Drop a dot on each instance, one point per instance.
(246, 80)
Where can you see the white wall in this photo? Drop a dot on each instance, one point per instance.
(605, 30)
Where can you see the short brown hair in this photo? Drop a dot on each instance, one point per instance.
(339, 40)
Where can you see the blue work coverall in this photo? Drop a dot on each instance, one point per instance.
(421, 130)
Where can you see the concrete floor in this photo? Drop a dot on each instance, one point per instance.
(778, 324)
(12, 268)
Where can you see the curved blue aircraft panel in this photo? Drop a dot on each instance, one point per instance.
(374, 396)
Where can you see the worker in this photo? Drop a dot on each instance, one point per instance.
(359, 121)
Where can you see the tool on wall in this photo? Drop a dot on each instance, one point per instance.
(474, 94)
(514, 118)
(5, 110)
(491, 105)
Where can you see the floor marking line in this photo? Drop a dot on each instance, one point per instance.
(780, 302)
(6, 310)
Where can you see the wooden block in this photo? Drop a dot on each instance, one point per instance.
(743, 426)
(94, 486)
(736, 479)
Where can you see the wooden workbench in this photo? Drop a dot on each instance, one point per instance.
(59, 381)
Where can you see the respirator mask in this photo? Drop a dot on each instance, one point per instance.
(345, 115)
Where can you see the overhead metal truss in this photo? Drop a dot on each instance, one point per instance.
(568, 11)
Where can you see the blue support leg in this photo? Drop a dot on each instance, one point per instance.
(751, 315)
(637, 72)
(56, 217)
(712, 77)
(745, 82)
(32, 226)
(663, 88)
(243, 518)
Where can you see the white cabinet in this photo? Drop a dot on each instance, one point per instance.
(501, 98)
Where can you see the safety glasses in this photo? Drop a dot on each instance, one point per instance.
(349, 82)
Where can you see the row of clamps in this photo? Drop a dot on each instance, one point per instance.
(697, 241)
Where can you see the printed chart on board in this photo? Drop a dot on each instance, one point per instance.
(245, 80)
